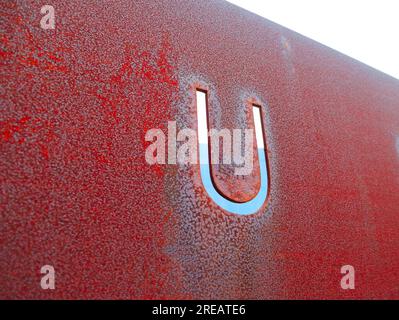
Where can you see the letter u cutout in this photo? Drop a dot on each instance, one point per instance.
(246, 208)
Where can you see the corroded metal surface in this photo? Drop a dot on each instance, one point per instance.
(76, 192)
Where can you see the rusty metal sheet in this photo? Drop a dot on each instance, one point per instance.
(77, 194)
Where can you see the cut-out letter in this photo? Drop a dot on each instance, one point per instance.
(245, 208)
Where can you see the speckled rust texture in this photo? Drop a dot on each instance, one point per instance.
(76, 192)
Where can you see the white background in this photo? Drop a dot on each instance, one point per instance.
(367, 30)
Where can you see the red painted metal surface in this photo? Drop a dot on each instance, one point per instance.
(76, 192)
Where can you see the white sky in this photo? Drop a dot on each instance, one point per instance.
(367, 30)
